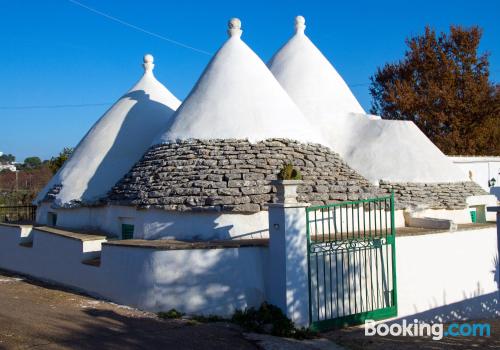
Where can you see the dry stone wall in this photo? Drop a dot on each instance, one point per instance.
(235, 176)
(432, 195)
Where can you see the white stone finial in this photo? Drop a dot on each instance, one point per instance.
(234, 27)
(148, 62)
(300, 24)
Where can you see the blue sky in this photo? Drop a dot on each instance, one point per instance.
(57, 53)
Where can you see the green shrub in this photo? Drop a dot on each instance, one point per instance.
(170, 314)
(289, 173)
(269, 319)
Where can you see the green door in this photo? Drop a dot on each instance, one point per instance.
(127, 231)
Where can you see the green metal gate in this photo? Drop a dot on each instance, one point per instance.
(352, 262)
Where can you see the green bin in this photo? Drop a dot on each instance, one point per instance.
(473, 216)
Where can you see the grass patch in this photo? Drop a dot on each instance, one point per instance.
(267, 319)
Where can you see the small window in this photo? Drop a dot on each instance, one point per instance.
(127, 231)
(51, 219)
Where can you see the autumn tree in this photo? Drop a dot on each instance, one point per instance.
(442, 85)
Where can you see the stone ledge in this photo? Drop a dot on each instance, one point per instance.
(70, 234)
(168, 244)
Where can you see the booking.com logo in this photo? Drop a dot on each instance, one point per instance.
(419, 329)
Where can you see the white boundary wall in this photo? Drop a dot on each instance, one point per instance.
(198, 281)
(433, 270)
(438, 269)
(161, 224)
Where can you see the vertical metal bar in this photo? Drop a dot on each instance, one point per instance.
(309, 263)
(348, 259)
(329, 227)
(387, 252)
(360, 266)
(317, 286)
(380, 218)
(331, 284)
(337, 281)
(376, 271)
(341, 226)
(316, 226)
(393, 250)
(343, 285)
(324, 281)
(323, 223)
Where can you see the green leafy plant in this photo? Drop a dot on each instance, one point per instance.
(289, 173)
(170, 314)
(269, 319)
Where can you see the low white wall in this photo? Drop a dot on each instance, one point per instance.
(434, 271)
(439, 269)
(198, 281)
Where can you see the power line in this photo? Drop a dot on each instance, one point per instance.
(175, 42)
(56, 106)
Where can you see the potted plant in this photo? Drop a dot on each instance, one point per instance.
(286, 185)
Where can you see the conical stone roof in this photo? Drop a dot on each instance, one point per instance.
(237, 97)
(310, 79)
(395, 151)
(114, 143)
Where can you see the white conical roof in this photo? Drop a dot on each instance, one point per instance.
(116, 141)
(311, 81)
(378, 149)
(237, 97)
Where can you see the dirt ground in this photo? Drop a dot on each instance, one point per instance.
(36, 315)
(40, 316)
(354, 338)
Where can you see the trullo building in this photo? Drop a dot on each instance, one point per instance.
(392, 154)
(110, 148)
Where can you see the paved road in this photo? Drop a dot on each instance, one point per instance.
(39, 316)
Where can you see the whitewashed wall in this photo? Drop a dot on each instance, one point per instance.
(198, 281)
(456, 269)
(482, 168)
(155, 224)
(439, 269)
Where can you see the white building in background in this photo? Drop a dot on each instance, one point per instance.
(7, 166)
(10, 167)
(483, 170)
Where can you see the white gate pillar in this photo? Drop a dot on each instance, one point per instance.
(288, 280)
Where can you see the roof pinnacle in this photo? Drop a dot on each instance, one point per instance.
(234, 27)
(300, 24)
(148, 63)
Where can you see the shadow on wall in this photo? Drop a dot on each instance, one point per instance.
(180, 227)
(475, 306)
(479, 307)
(146, 115)
(215, 281)
(196, 226)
